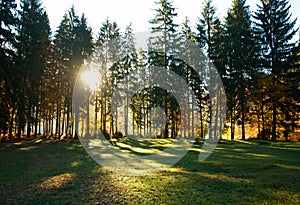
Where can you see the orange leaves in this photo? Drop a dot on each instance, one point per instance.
(283, 197)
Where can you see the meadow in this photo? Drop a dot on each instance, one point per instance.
(45, 172)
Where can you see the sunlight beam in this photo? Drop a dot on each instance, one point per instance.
(90, 79)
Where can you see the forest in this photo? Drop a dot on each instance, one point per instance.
(256, 54)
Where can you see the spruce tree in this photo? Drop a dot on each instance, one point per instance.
(275, 30)
(109, 44)
(239, 41)
(207, 39)
(62, 56)
(185, 72)
(163, 25)
(218, 49)
(8, 84)
(195, 83)
(33, 49)
(129, 64)
(72, 44)
(206, 27)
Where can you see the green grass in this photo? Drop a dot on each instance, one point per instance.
(45, 172)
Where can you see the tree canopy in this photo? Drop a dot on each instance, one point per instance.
(256, 55)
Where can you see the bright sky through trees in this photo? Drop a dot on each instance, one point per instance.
(138, 11)
(90, 79)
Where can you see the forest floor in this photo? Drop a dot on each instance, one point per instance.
(238, 172)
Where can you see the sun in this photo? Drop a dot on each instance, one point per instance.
(90, 79)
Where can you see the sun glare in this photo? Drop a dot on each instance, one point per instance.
(90, 79)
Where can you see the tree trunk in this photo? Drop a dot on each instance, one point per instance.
(258, 125)
(188, 117)
(201, 121)
(68, 122)
(36, 120)
(57, 124)
(126, 111)
(104, 115)
(29, 122)
(11, 123)
(96, 116)
(232, 124)
(87, 114)
(76, 131)
(243, 107)
(274, 137)
(211, 119)
(166, 131)
(63, 121)
(243, 124)
(193, 119)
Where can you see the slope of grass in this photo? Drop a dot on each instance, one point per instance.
(45, 172)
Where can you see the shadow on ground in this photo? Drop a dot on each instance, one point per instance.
(47, 172)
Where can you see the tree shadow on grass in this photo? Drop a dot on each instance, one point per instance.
(235, 173)
(250, 172)
(53, 173)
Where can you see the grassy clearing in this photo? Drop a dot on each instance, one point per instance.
(45, 172)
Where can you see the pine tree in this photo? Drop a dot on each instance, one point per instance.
(218, 56)
(163, 22)
(275, 31)
(81, 46)
(185, 72)
(109, 44)
(129, 64)
(73, 44)
(290, 107)
(34, 43)
(163, 25)
(218, 50)
(196, 85)
(206, 27)
(208, 40)
(62, 69)
(240, 48)
(8, 85)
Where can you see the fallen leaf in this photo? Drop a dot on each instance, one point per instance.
(283, 197)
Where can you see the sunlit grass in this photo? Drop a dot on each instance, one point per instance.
(142, 146)
(55, 182)
(236, 173)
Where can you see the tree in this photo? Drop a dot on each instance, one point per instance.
(63, 50)
(73, 43)
(185, 72)
(206, 27)
(163, 25)
(8, 91)
(218, 56)
(289, 106)
(240, 46)
(207, 38)
(275, 31)
(33, 49)
(109, 44)
(81, 46)
(196, 85)
(129, 64)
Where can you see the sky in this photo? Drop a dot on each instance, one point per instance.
(138, 12)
